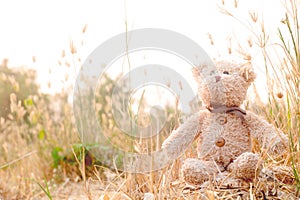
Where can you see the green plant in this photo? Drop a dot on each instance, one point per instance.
(45, 189)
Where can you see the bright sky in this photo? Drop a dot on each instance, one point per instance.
(44, 28)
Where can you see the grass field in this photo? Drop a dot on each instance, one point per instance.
(41, 155)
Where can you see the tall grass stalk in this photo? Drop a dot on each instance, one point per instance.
(291, 81)
(45, 189)
(281, 60)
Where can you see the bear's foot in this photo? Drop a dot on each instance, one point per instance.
(196, 172)
(246, 166)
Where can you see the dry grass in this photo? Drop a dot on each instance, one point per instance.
(39, 158)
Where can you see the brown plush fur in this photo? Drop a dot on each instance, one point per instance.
(224, 137)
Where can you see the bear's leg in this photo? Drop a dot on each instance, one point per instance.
(246, 166)
(196, 172)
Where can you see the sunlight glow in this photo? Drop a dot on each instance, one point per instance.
(34, 33)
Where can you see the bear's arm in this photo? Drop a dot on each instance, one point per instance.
(267, 135)
(182, 137)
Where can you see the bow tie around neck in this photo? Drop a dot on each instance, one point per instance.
(224, 109)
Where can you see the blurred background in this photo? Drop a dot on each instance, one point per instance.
(37, 35)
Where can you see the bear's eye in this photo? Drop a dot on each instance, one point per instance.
(212, 72)
(226, 72)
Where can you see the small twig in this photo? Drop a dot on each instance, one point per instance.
(215, 188)
(18, 159)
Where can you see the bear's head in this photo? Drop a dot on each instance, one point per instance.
(223, 84)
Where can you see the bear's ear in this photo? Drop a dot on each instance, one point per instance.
(247, 73)
(196, 72)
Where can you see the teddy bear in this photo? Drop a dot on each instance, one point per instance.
(223, 130)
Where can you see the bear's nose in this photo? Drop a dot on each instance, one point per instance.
(218, 78)
(220, 142)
